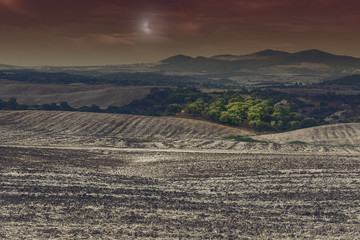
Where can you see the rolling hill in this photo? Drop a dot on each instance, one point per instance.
(52, 128)
(77, 95)
(39, 127)
(79, 175)
(67, 175)
(335, 134)
(351, 80)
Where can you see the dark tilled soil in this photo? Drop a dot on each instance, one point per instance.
(130, 194)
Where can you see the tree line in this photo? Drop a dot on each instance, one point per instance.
(260, 110)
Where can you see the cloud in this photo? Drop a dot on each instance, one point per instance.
(186, 16)
(189, 24)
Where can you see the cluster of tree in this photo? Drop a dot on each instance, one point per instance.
(160, 102)
(12, 104)
(319, 106)
(227, 108)
(260, 114)
(263, 111)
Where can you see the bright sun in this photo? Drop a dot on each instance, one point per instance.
(146, 27)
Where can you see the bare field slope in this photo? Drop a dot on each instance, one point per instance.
(77, 95)
(79, 194)
(62, 128)
(71, 175)
(335, 134)
(76, 129)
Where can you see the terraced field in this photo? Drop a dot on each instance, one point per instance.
(67, 175)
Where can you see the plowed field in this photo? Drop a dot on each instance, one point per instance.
(67, 175)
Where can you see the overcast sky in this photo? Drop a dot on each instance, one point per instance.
(88, 32)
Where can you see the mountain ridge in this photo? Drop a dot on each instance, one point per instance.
(265, 58)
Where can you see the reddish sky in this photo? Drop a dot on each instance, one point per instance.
(83, 32)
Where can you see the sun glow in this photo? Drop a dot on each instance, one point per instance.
(146, 27)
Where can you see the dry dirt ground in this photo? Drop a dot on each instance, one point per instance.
(67, 175)
(76, 95)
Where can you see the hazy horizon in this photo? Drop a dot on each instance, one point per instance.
(111, 32)
(158, 60)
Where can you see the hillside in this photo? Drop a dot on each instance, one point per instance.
(335, 134)
(351, 81)
(76, 95)
(104, 129)
(76, 175)
(44, 128)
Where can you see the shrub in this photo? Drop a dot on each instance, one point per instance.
(173, 108)
(195, 108)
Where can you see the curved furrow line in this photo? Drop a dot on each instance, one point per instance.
(129, 129)
(200, 130)
(43, 122)
(147, 126)
(77, 124)
(323, 134)
(127, 122)
(174, 132)
(57, 123)
(186, 132)
(352, 130)
(347, 135)
(90, 126)
(115, 129)
(334, 133)
(341, 132)
(26, 122)
(107, 129)
(10, 117)
(167, 128)
(106, 124)
(71, 123)
(138, 127)
(155, 125)
(101, 123)
(231, 145)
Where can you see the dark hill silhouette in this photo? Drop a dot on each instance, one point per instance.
(177, 59)
(257, 55)
(351, 80)
(266, 58)
(270, 53)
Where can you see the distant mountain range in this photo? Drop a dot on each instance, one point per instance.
(267, 67)
(263, 59)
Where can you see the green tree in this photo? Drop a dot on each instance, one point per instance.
(12, 104)
(260, 111)
(195, 108)
(213, 112)
(64, 106)
(173, 108)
